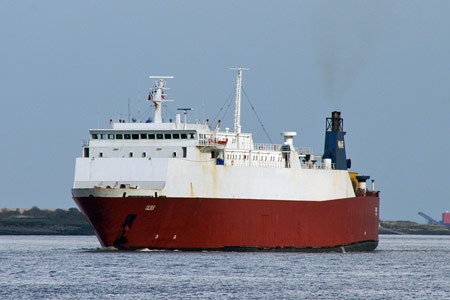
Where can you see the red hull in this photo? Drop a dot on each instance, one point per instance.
(196, 223)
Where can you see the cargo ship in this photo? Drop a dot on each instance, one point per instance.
(194, 186)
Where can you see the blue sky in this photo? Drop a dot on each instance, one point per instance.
(67, 66)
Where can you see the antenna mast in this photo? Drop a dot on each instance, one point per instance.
(237, 112)
(157, 96)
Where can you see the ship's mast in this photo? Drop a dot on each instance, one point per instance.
(237, 111)
(157, 96)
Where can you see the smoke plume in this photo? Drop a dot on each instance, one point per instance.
(345, 36)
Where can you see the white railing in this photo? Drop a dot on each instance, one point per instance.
(255, 163)
(303, 150)
(317, 165)
(84, 143)
(213, 142)
(267, 147)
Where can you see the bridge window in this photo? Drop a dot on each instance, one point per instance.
(159, 136)
(110, 136)
(151, 136)
(103, 136)
(119, 136)
(168, 136)
(127, 136)
(192, 135)
(143, 136)
(135, 136)
(94, 136)
(184, 136)
(176, 135)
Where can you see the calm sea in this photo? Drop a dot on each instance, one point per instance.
(69, 267)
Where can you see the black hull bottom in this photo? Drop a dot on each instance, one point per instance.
(364, 246)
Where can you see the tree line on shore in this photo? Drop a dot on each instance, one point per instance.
(38, 221)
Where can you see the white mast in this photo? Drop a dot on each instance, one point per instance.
(157, 96)
(237, 112)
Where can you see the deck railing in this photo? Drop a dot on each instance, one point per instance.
(317, 165)
(267, 147)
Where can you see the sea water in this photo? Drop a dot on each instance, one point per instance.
(75, 267)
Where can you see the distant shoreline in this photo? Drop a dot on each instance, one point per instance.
(408, 227)
(35, 221)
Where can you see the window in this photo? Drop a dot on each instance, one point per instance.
(130, 154)
(110, 136)
(159, 136)
(127, 136)
(143, 136)
(184, 136)
(100, 154)
(119, 136)
(151, 136)
(174, 154)
(103, 136)
(168, 136)
(192, 135)
(144, 154)
(184, 151)
(135, 136)
(94, 136)
(176, 135)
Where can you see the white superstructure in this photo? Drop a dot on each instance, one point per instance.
(194, 160)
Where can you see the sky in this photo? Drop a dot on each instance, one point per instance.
(69, 66)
